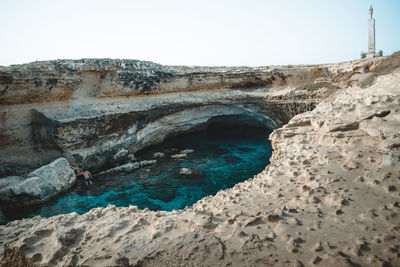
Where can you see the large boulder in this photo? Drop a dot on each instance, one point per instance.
(41, 185)
(58, 173)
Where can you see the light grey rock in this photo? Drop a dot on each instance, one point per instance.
(41, 185)
(35, 187)
(124, 168)
(186, 151)
(185, 171)
(121, 154)
(158, 155)
(178, 156)
(58, 173)
(190, 172)
(10, 181)
(148, 162)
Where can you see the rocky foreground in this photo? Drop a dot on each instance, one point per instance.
(330, 197)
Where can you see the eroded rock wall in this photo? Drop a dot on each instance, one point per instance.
(71, 107)
(330, 197)
(61, 80)
(87, 110)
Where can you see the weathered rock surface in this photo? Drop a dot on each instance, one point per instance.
(330, 197)
(42, 184)
(128, 167)
(61, 80)
(90, 131)
(84, 110)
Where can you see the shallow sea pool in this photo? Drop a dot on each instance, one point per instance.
(221, 157)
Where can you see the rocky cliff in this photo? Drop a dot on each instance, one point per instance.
(329, 197)
(60, 80)
(87, 110)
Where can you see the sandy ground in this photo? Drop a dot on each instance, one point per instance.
(330, 197)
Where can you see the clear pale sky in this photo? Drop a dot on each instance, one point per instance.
(189, 32)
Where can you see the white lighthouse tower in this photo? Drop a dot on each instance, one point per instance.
(371, 38)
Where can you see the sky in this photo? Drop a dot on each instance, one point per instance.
(189, 32)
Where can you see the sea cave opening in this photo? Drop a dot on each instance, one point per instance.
(189, 166)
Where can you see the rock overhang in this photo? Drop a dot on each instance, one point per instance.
(90, 132)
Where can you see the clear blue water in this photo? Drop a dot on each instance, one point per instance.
(224, 156)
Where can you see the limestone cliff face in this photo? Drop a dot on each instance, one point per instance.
(87, 110)
(60, 80)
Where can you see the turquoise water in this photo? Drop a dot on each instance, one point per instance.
(222, 157)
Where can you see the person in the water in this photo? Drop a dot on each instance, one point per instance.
(87, 177)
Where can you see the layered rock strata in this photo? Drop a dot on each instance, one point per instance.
(329, 197)
(88, 110)
(60, 80)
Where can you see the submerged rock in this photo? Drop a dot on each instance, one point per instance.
(148, 162)
(232, 159)
(42, 184)
(246, 149)
(154, 183)
(124, 168)
(116, 197)
(186, 151)
(220, 151)
(158, 155)
(165, 195)
(191, 172)
(178, 156)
